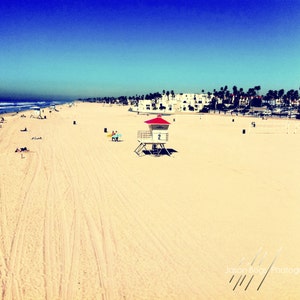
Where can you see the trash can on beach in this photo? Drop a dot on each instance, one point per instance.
(244, 131)
(105, 130)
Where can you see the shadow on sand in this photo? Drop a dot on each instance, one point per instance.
(166, 151)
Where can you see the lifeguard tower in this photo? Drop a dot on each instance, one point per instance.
(156, 137)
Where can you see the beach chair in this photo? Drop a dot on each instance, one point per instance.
(116, 137)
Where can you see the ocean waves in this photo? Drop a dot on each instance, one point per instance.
(15, 106)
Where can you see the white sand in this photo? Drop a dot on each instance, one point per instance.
(86, 218)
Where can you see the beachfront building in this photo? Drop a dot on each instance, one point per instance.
(192, 102)
(174, 103)
(145, 105)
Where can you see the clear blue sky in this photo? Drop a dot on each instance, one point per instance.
(83, 48)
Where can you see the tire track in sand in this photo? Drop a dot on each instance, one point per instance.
(90, 193)
(158, 242)
(51, 259)
(100, 226)
(7, 135)
(101, 237)
(13, 288)
(75, 250)
(61, 244)
(92, 233)
(7, 159)
(4, 237)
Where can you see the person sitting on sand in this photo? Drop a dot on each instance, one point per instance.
(112, 135)
(22, 149)
(25, 129)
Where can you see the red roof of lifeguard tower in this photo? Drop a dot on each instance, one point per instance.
(157, 121)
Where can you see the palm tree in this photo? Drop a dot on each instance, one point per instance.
(227, 96)
(257, 88)
(168, 94)
(235, 90)
(172, 94)
(280, 94)
(235, 96)
(271, 96)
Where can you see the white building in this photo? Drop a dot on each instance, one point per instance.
(179, 103)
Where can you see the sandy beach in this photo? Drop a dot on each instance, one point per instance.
(82, 217)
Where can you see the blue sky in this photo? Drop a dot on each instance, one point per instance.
(70, 49)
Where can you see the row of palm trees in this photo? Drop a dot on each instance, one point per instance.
(236, 97)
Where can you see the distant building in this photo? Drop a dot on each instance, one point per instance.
(173, 104)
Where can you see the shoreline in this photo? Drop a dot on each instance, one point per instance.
(18, 106)
(147, 113)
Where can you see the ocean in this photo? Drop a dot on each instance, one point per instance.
(16, 106)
